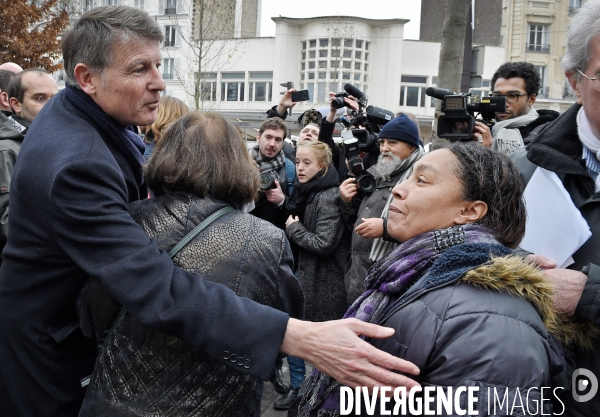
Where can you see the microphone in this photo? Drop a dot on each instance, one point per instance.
(353, 91)
(439, 93)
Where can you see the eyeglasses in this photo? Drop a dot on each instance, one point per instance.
(41, 98)
(595, 79)
(510, 97)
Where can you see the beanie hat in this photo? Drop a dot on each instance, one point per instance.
(401, 128)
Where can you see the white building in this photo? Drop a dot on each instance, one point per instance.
(241, 73)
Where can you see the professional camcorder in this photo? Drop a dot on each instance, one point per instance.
(370, 117)
(458, 120)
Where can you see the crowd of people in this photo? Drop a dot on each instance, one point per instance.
(153, 264)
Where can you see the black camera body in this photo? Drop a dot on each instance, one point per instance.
(267, 181)
(365, 182)
(458, 121)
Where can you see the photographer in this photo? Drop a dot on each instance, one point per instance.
(277, 172)
(399, 150)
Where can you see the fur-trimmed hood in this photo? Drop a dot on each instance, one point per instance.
(512, 275)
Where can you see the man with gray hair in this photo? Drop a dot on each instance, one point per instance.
(78, 170)
(570, 147)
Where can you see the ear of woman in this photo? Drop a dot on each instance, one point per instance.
(472, 212)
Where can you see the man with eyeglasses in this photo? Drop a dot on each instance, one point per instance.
(519, 83)
(570, 147)
(28, 92)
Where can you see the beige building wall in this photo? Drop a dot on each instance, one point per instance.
(535, 31)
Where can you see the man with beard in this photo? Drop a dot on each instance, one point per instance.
(399, 150)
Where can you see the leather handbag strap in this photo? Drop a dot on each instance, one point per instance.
(203, 225)
(182, 243)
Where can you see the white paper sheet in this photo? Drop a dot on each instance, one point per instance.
(554, 228)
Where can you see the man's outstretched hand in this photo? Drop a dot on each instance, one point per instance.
(334, 348)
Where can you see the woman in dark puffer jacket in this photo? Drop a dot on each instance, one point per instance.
(465, 310)
(200, 166)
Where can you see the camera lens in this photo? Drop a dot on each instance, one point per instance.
(266, 181)
(366, 183)
(338, 103)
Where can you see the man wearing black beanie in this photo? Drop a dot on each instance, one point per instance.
(400, 148)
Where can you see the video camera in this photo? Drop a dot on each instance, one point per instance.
(370, 117)
(458, 120)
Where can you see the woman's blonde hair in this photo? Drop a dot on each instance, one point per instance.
(322, 150)
(169, 110)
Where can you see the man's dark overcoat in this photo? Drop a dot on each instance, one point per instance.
(69, 220)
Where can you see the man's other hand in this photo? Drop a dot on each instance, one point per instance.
(370, 228)
(275, 195)
(286, 101)
(483, 135)
(334, 348)
(348, 190)
(568, 287)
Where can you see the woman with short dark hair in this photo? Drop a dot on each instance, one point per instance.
(465, 310)
(200, 166)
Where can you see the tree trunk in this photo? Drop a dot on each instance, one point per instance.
(451, 53)
(198, 82)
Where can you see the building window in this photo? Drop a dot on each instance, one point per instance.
(304, 45)
(323, 42)
(347, 64)
(312, 54)
(170, 6)
(358, 54)
(320, 93)
(574, 5)
(322, 75)
(544, 89)
(260, 91)
(359, 43)
(346, 76)
(232, 86)
(336, 42)
(538, 38)
(168, 65)
(313, 43)
(323, 53)
(357, 66)
(347, 53)
(347, 43)
(261, 86)
(171, 36)
(413, 95)
(208, 88)
(140, 4)
(322, 64)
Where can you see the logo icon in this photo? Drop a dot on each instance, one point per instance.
(584, 381)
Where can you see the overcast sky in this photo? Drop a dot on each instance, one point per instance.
(372, 9)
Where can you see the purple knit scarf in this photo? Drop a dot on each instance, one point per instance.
(386, 281)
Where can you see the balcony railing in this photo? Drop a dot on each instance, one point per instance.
(171, 10)
(538, 47)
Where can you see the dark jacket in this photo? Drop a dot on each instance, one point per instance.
(264, 209)
(194, 383)
(557, 148)
(371, 206)
(10, 144)
(470, 321)
(70, 220)
(530, 131)
(323, 256)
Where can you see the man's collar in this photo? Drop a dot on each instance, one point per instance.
(557, 148)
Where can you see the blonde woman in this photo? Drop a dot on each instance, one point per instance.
(169, 110)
